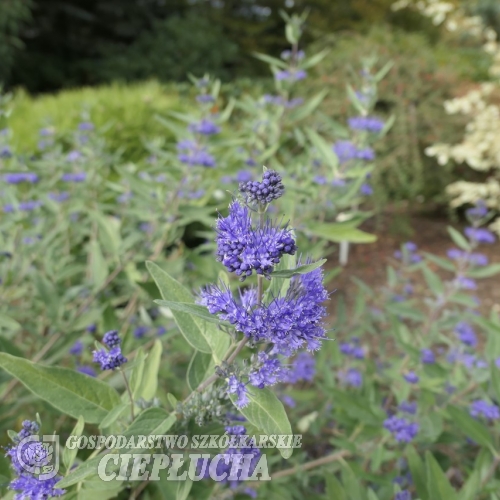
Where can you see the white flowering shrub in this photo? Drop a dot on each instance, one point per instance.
(480, 146)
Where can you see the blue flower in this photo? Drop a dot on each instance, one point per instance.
(271, 188)
(243, 249)
(77, 348)
(86, 126)
(403, 495)
(74, 177)
(303, 368)
(18, 177)
(109, 360)
(112, 339)
(368, 123)
(86, 370)
(479, 235)
(402, 429)
(73, 156)
(351, 377)
(204, 127)
(234, 386)
(291, 75)
(28, 485)
(366, 189)
(427, 356)
(205, 98)
(411, 377)
(482, 408)
(193, 154)
(269, 371)
(408, 407)
(140, 331)
(288, 322)
(466, 334)
(477, 212)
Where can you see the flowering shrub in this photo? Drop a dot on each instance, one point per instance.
(225, 329)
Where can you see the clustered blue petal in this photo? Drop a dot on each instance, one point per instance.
(289, 322)
(403, 495)
(112, 339)
(402, 429)
(235, 386)
(479, 235)
(352, 349)
(303, 369)
(244, 249)
(352, 377)
(271, 188)
(347, 150)
(411, 377)
(191, 153)
(29, 486)
(481, 408)
(368, 123)
(476, 259)
(269, 372)
(466, 334)
(109, 360)
(427, 356)
(18, 177)
(74, 177)
(204, 127)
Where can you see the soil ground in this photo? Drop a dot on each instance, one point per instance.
(368, 262)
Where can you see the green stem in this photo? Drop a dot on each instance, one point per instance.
(131, 397)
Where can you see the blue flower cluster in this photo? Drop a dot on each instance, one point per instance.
(347, 150)
(481, 408)
(288, 322)
(112, 359)
(271, 188)
(18, 177)
(367, 123)
(244, 249)
(32, 453)
(191, 153)
(401, 428)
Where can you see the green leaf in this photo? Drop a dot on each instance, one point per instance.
(458, 238)
(69, 455)
(307, 268)
(437, 482)
(471, 487)
(324, 149)
(338, 232)
(472, 428)
(315, 59)
(265, 411)
(433, 281)
(445, 264)
(67, 390)
(150, 376)
(151, 421)
(109, 233)
(190, 308)
(418, 473)
(495, 380)
(114, 415)
(334, 490)
(172, 290)
(273, 61)
(9, 323)
(484, 272)
(200, 368)
(136, 375)
(183, 489)
(98, 266)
